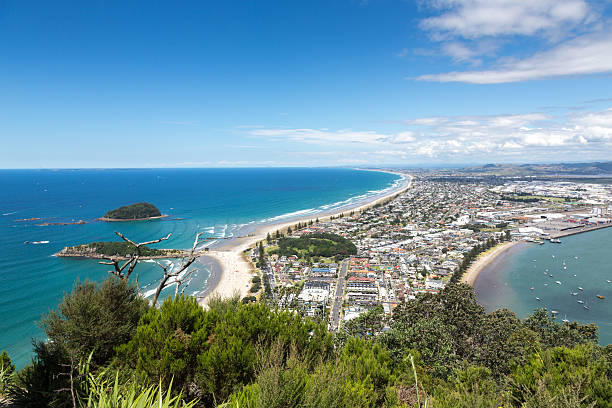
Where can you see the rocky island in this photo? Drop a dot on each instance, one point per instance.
(133, 212)
(117, 250)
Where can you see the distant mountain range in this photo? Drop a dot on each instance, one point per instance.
(566, 169)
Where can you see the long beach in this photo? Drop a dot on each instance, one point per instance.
(236, 271)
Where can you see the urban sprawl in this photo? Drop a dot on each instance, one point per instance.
(417, 241)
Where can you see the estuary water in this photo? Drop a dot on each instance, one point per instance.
(580, 261)
(221, 203)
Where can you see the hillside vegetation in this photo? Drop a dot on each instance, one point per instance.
(133, 211)
(439, 351)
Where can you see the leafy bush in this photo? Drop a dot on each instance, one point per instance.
(95, 318)
(104, 393)
(7, 371)
(210, 353)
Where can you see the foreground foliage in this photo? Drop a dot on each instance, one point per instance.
(437, 351)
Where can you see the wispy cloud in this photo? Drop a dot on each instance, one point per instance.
(576, 40)
(480, 18)
(322, 136)
(588, 54)
(179, 122)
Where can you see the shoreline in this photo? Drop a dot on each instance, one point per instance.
(485, 259)
(236, 270)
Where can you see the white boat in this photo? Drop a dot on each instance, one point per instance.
(558, 282)
(574, 293)
(581, 301)
(39, 242)
(538, 299)
(580, 288)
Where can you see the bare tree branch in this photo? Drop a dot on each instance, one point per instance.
(155, 241)
(185, 264)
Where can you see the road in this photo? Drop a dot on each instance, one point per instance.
(338, 299)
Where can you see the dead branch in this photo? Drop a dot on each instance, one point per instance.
(131, 263)
(185, 264)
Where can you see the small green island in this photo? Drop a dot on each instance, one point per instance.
(116, 250)
(133, 212)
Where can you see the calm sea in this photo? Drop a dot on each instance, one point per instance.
(218, 202)
(583, 260)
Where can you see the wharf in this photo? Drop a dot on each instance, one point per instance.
(578, 230)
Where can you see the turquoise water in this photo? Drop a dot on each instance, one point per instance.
(506, 282)
(217, 202)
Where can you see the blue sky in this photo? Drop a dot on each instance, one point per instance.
(313, 83)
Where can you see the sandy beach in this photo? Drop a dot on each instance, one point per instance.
(236, 272)
(483, 260)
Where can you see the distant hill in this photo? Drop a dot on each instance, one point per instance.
(581, 169)
(138, 211)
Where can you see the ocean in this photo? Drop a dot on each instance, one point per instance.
(221, 203)
(582, 260)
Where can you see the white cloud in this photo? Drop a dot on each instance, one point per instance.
(326, 136)
(509, 134)
(527, 137)
(402, 137)
(478, 18)
(588, 54)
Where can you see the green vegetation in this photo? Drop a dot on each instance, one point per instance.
(526, 198)
(133, 212)
(315, 245)
(7, 371)
(116, 248)
(438, 351)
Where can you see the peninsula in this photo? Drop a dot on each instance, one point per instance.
(133, 212)
(117, 250)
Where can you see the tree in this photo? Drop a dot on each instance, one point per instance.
(210, 353)
(554, 334)
(562, 376)
(95, 318)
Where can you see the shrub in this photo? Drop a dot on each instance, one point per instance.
(95, 318)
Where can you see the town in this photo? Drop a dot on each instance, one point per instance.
(335, 269)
